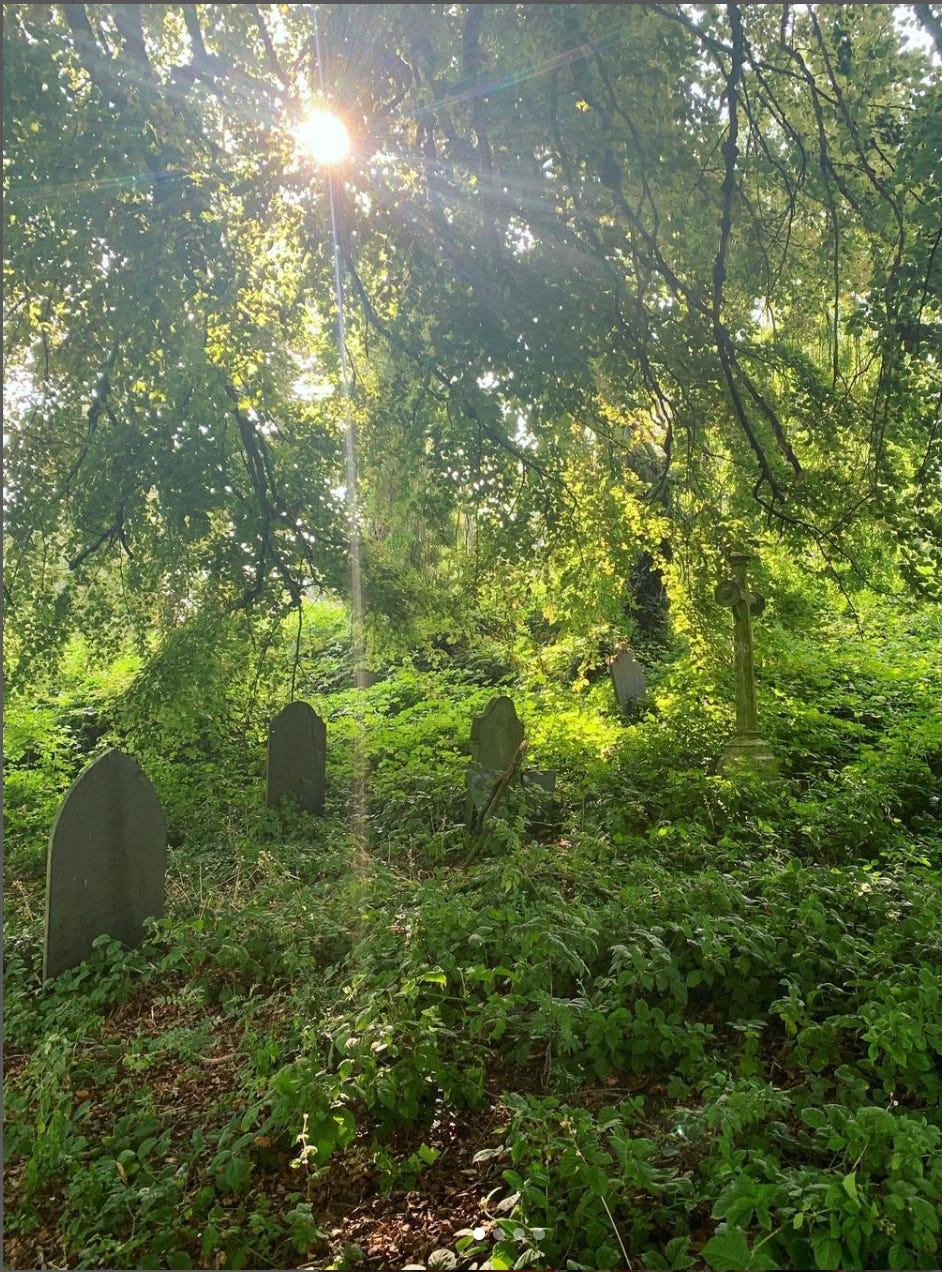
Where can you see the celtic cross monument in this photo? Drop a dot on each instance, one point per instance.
(747, 746)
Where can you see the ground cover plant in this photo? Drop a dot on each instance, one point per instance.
(392, 357)
(683, 1020)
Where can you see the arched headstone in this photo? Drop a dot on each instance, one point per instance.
(496, 735)
(297, 757)
(107, 861)
(627, 678)
(495, 740)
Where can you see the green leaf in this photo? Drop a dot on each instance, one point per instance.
(503, 1256)
(828, 1252)
(814, 1118)
(727, 1250)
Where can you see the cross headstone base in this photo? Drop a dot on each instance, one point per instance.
(748, 750)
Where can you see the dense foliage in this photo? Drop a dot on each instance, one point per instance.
(621, 280)
(624, 286)
(671, 1017)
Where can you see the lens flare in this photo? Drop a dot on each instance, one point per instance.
(323, 137)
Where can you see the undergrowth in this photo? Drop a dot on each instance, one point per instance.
(692, 1019)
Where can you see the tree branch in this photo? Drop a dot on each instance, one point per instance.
(127, 18)
(271, 56)
(97, 67)
(114, 531)
(932, 24)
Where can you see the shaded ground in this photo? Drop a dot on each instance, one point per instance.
(362, 1225)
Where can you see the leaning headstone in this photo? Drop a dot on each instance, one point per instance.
(541, 779)
(106, 865)
(627, 678)
(544, 811)
(297, 757)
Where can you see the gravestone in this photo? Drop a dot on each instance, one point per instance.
(106, 864)
(496, 735)
(297, 757)
(495, 740)
(627, 678)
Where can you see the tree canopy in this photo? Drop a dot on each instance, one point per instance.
(620, 279)
(603, 298)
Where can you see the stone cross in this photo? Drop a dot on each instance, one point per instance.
(297, 757)
(627, 679)
(106, 864)
(747, 745)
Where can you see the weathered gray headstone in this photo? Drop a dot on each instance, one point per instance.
(495, 739)
(496, 735)
(106, 865)
(627, 678)
(297, 757)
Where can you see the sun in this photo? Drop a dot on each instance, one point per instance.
(322, 136)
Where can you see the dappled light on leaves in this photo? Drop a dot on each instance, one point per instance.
(467, 388)
(694, 250)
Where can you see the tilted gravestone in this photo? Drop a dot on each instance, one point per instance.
(297, 757)
(541, 779)
(627, 678)
(106, 865)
